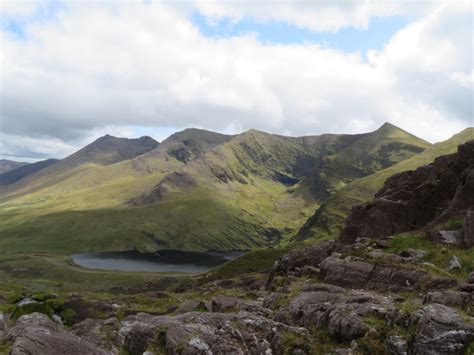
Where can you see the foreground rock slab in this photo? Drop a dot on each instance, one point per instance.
(37, 334)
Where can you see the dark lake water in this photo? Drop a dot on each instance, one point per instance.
(163, 261)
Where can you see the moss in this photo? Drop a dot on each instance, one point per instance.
(453, 224)
(32, 308)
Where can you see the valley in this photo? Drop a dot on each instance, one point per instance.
(356, 245)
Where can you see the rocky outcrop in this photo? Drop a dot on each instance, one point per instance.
(339, 311)
(201, 333)
(37, 334)
(415, 199)
(358, 273)
(441, 331)
(294, 261)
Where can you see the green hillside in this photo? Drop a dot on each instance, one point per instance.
(327, 221)
(197, 190)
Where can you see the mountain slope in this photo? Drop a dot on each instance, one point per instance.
(8, 165)
(104, 151)
(17, 174)
(198, 190)
(327, 221)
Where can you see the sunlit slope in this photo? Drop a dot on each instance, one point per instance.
(328, 219)
(197, 190)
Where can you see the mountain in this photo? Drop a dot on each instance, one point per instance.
(328, 219)
(426, 197)
(17, 174)
(386, 286)
(108, 150)
(8, 165)
(197, 190)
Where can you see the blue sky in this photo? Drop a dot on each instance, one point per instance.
(348, 39)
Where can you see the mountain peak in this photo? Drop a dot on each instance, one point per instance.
(388, 125)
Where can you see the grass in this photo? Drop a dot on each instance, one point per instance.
(83, 208)
(328, 220)
(438, 254)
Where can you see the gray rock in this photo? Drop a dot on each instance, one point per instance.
(57, 319)
(37, 334)
(450, 237)
(470, 278)
(4, 321)
(26, 301)
(442, 331)
(468, 227)
(397, 345)
(206, 333)
(309, 271)
(414, 254)
(450, 298)
(340, 313)
(226, 304)
(361, 274)
(454, 263)
(189, 306)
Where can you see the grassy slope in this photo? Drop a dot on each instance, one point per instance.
(83, 208)
(329, 218)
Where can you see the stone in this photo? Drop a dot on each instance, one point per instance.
(189, 306)
(442, 331)
(226, 304)
(25, 301)
(57, 319)
(4, 321)
(454, 263)
(361, 274)
(415, 199)
(309, 271)
(397, 345)
(470, 278)
(449, 237)
(206, 333)
(468, 229)
(450, 298)
(36, 334)
(414, 254)
(340, 313)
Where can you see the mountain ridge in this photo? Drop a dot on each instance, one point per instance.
(197, 190)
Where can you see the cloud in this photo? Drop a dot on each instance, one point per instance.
(99, 67)
(314, 15)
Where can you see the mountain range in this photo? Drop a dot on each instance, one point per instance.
(200, 190)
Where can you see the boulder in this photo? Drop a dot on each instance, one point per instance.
(230, 304)
(450, 298)
(454, 263)
(36, 334)
(341, 313)
(412, 200)
(441, 331)
(397, 345)
(361, 274)
(201, 333)
(191, 305)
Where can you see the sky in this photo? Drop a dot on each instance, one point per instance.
(72, 71)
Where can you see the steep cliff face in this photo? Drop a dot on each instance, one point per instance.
(422, 198)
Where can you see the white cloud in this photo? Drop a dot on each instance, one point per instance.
(98, 66)
(315, 15)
